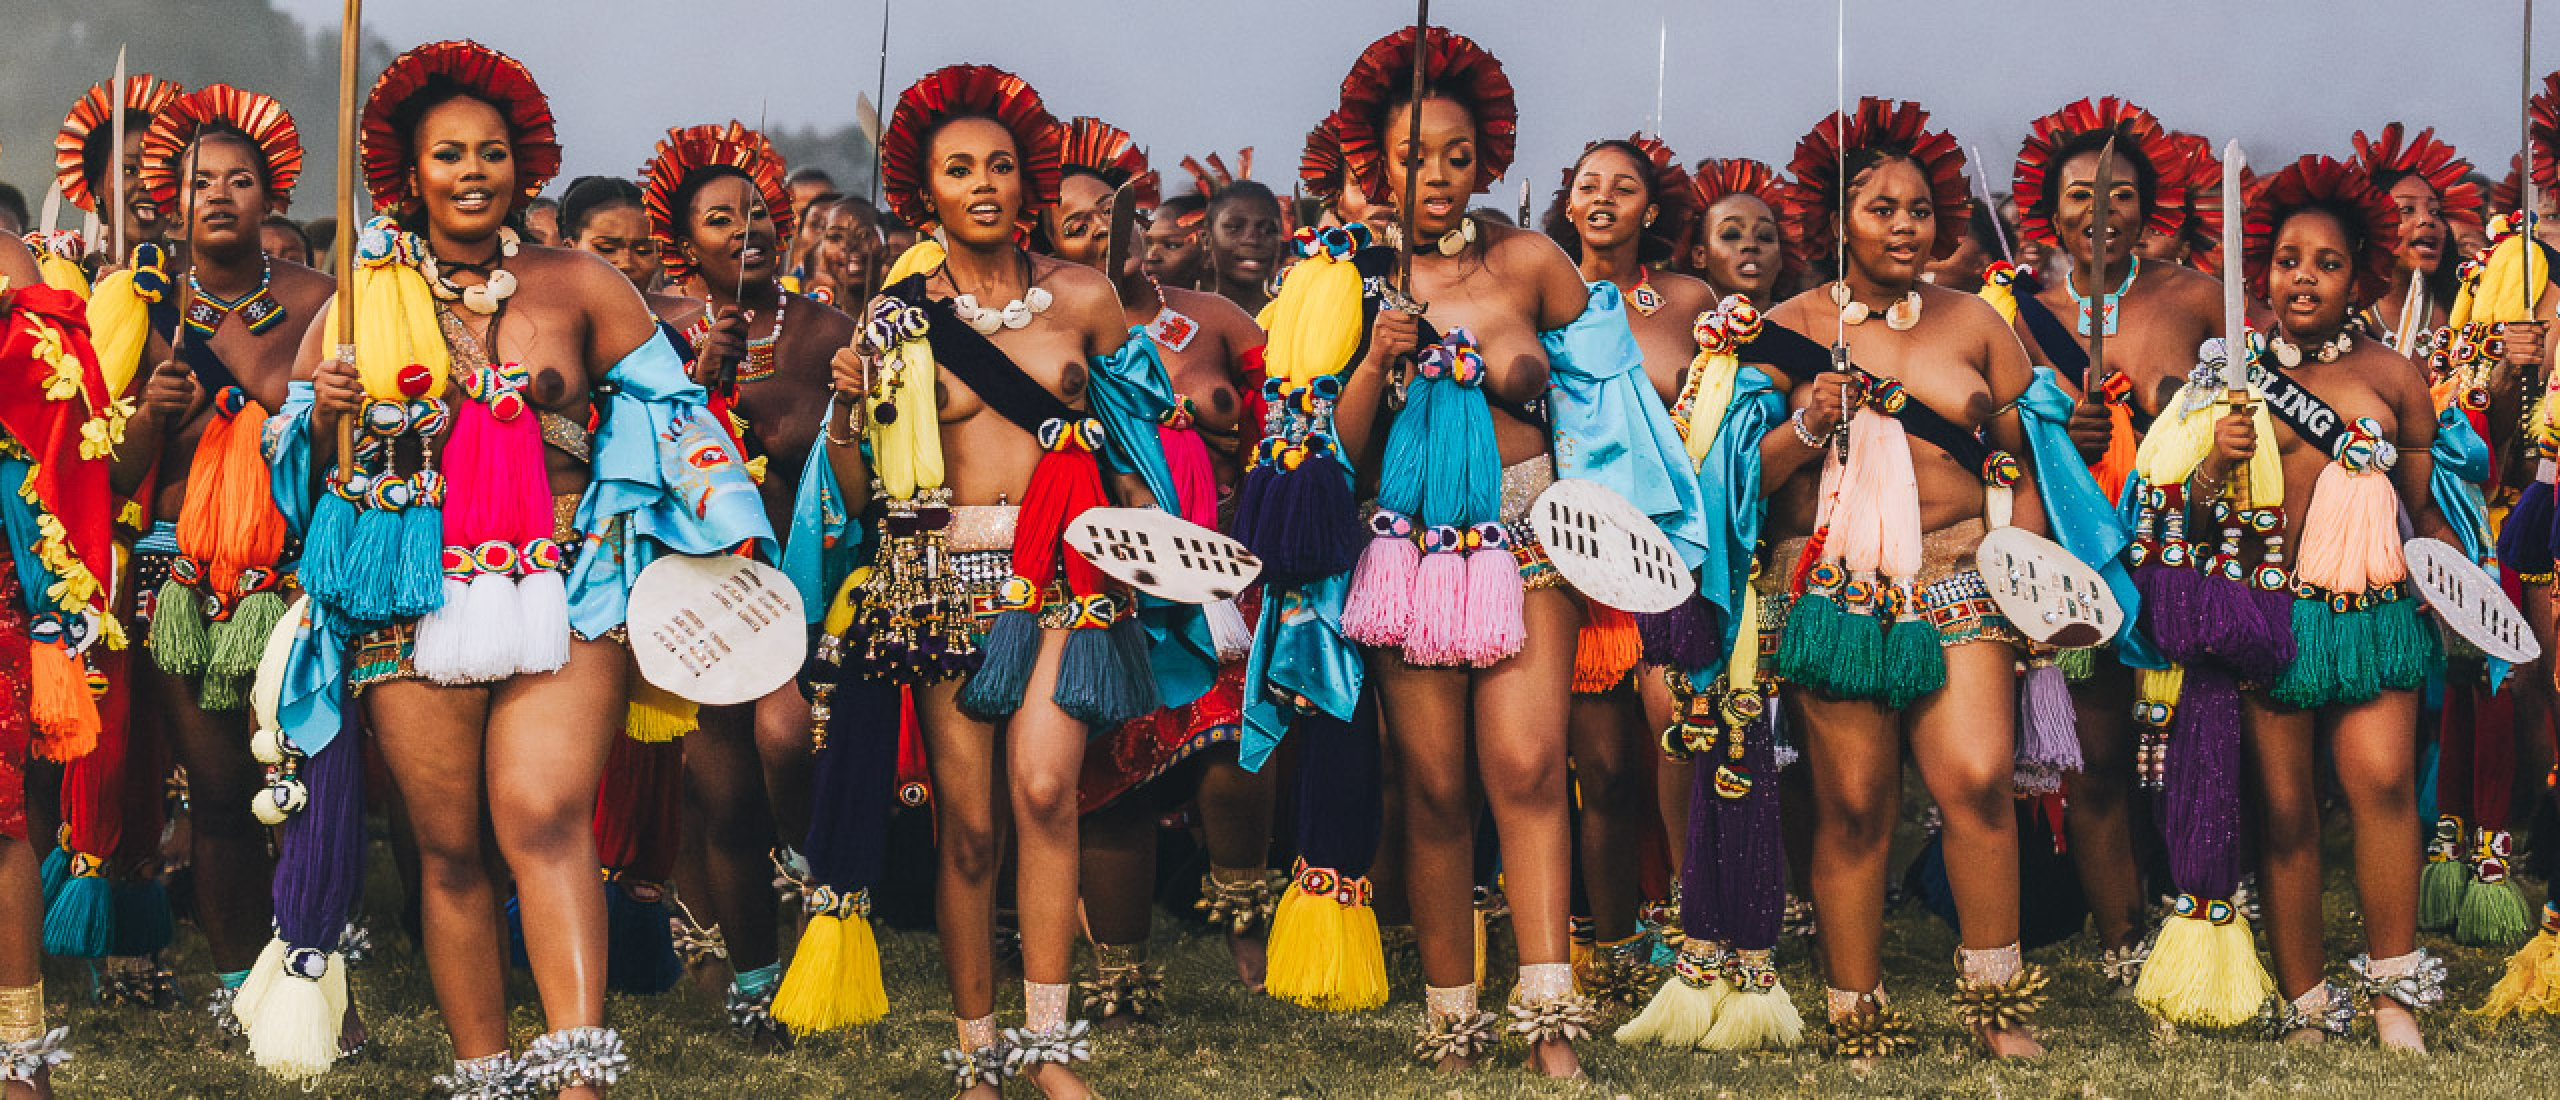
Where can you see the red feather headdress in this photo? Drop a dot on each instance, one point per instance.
(2543, 126)
(143, 94)
(1884, 126)
(970, 90)
(263, 120)
(2343, 189)
(2200, 219)
(2388, 157)
(2508, 193)
(1716, 178)
(1672, 195)
(1111, 154)
(2138, 134)
(490, 76)
(684, 152)
(1210, 178)
(1452, 65)
(1320, 166)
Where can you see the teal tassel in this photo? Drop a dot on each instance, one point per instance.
(2319, 670)
(1914, 665)
(2441, 884)
(1857, 666)
(81, 922)
(240, 640)
(2351, 657)
(54, 871)
(1092, 687)
(994, 692)
(417, 577)
(2404, 645)
(178, 633)
(328, 552)
(2494, 915)
(1811, 644)
(375, 541)
(1129, 647)
(143, 923)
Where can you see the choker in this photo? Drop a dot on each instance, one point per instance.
(1016, 314)
(2289, 354)
(258, 308)
(1902, 316)
(2108, 303)
(491, 294)
(1456, 240)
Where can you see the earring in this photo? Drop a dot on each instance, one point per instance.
(1649, 213)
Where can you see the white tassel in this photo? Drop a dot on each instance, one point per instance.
(1227, 629)
(292, 1021)
(543, 604)
(443, 642)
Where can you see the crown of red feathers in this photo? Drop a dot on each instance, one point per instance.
(143, 94)
(260, 118)
(2138, 134)
(970, 90)
(1109, 153)
(1715, 178)
(2390, 157)
(1321, 170)
(1671, 198)
(2200, 215)
(487, 75)
(1452, 65)
(1207, 179)
(2543, 127)
(693, 149)
(2508, 193)
(2343, 189)
(1885, 126)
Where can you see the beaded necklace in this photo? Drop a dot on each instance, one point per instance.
(258, 308)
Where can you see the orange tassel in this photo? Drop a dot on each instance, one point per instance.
(228, 519)
(2351, 532)
(2117, 464)
(58, 699)
(1606, 650)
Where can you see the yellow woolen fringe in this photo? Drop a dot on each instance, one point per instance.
(1680, 1015)
(657, 715)
(292, 1022)
(2531, 985)
(119, 327)
(1325, 955)
(1756, 1021)
(61, 274)
(834, 979)
(2203, 974)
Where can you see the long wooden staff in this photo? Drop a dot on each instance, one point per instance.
(1413, 150)
(342, 251)
(114, 211)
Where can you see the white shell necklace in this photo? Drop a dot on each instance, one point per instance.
(499, 284)
(1015, 314)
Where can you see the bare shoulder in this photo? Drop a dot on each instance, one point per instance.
(1798, 312)
(17, 264)
(2191, 289)
(675, 309)
(821, 319)
(1969, 311)
(298, 287)
(1519, 252)
(1683, 295)
(1216, 313)
(1073, 286)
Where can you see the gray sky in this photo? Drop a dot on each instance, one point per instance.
(1192, 76)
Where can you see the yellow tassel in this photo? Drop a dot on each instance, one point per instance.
(2531, 985)
(119, 327)
(2003, 298)
(1325, 955)
(1315, 321)
(1679, 1016)
(657, 715)
(1756, 1021)
(2204, 974)
(1709, 396)
(1480, 948)
(292, 1021)
(58, 699)
(61, 274)
(834, 979)
(1606, 650)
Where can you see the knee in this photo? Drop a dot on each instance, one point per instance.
(1857, 822)
(2288, 826)
(450, 860)
(1613, 784)
(541, 829)
(968, 846)
(1045, 799)
(1436, 804)
(2379, 787)
(1529, 778)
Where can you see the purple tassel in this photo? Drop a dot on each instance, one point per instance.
(1702, 914)
(2200, 805)
(1749, 888)
(320, 851)
(2169, 598)
(2524, 544)
(2048, 731)
(1303, 524)
(1685, 637)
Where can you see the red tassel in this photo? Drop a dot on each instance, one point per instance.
(638, 808)
(915, 778)
(1065, 483)
(1805, 562)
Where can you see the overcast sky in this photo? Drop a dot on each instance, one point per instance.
(1192, 76)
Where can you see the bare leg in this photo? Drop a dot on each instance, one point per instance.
(2280, 753)
(1964, 740)
(1670, 777)
(1610, 774)
(1235, 823)
(1519, 709)
(1855, 753)
(431, 739)
(1044, 757)
(21, 932)
(2099, 816)
(233, 905)
(725, 802)
(783, 741)
(547, 742)
(1423, 715)
(969, 834)
(1118, 861)
(2374, 746)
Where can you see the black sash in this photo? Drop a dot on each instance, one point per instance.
(2315, 420)
(1800, 359)
(977, 361)
(2061, 347)
(211, 372)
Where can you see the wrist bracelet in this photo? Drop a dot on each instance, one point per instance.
(1805, 435)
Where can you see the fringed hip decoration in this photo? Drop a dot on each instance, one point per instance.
(916, 625)
(79, 921)
(1324, 949)
(1295, 509)
(1606, 650)
(2356, 627)
(2204, 969)
(505, 607)
(834, 978)
(1458, 602)
(1855, 630)
(58, 593)
(1104, 677)
(224, 594)
(2202, 599)
(638, 814)
(375, 547)
(296, 997)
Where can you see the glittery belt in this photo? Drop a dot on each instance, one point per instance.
(1521, 483)
(980, 528)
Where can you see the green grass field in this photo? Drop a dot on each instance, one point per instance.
(1217, 1041)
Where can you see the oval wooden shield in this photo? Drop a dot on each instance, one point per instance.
(717, 630)
(1607, 550)
(1163, 555)
(2046, 593)
(2469, 601)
